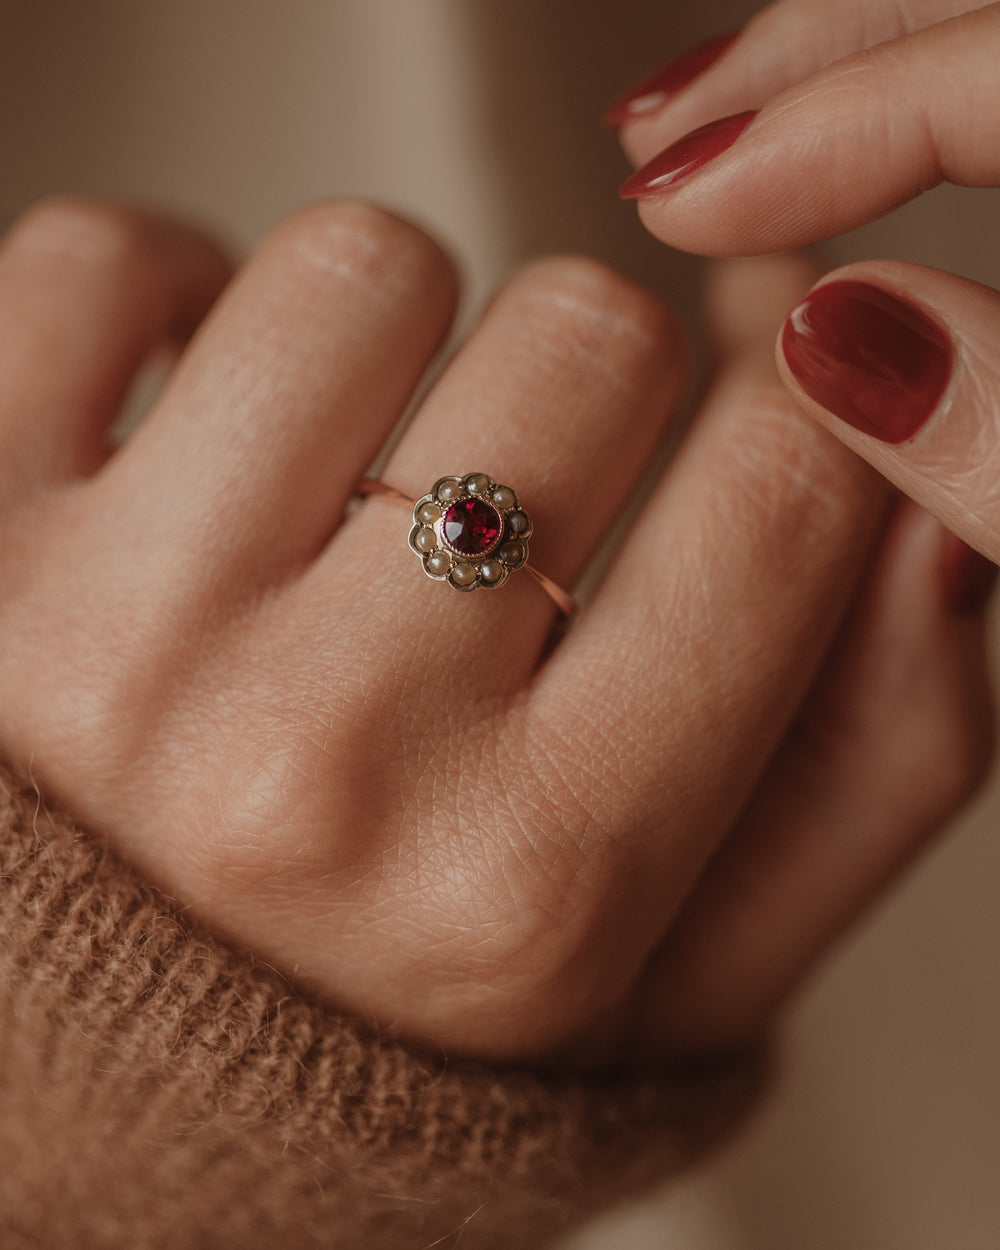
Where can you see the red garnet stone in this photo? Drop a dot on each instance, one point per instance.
(471, 527)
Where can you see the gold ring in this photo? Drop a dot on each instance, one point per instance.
(470, 532)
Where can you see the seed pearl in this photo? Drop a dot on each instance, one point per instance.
(429, 513)
(477, 483)
(511, 553)
(449, 490)
(517, 522)
(463, 574)
(503, 497)
(491, 571)
(439, 562)
(425, 540)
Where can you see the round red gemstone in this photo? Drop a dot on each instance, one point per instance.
(471, 527)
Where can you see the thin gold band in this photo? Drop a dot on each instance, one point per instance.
(374, 486)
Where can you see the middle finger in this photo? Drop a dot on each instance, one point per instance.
(713, 621)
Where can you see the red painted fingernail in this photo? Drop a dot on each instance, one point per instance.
(870, 358)
(668, 81)
(685, 157)
(969, 578)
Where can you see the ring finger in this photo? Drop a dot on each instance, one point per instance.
(562, 394)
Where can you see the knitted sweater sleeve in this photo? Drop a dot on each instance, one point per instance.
(159, 1089)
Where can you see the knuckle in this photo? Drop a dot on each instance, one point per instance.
(514, 925)
(361, 244)
(552, 947)
(69, 229)
(595, 309)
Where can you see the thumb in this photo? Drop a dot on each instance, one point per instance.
(900, 362)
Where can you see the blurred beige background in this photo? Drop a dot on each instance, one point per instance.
(479, 117)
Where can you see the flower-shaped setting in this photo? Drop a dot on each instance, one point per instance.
(470, 531)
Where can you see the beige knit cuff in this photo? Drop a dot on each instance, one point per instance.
(159, 1089)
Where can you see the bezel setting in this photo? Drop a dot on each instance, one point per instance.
(488, 531)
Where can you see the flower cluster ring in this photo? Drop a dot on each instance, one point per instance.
(470, 531)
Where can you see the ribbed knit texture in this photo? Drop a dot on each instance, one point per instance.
(159, 1089)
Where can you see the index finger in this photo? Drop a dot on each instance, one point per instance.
(782, 45)
(841, 148)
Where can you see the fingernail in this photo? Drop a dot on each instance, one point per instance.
(969, 578)
(871, 359)
(668, 81)
(685, 157)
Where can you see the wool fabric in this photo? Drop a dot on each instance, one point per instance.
(161, 1089)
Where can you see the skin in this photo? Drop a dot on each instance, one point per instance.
(634, 843)
(864, 104)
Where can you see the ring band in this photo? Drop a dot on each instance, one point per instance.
(470, 532)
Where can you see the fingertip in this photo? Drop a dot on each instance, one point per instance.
(656, 90)
(871, 354)
(834, 147)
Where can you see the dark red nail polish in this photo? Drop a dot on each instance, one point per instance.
(875, 361)
(685, 157)
(969, 578)
(668, 81)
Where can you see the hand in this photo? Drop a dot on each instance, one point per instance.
(639, 841)
(861, 107)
